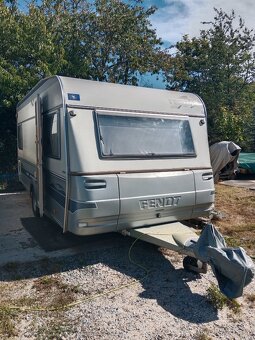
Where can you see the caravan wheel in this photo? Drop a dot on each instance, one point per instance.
(34, 204)
(194, 265)
(189, 263)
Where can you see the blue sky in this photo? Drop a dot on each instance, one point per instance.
(174, 18)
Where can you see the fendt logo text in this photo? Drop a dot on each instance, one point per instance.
(162, 202)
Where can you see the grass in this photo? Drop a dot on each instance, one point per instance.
(60, 293)
(238, 204)
(7, 326)
(44, 293)
(53, 282)
(26, 301)
(61, 300)
(219, 300)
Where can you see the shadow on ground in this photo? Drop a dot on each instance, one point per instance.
(49, 236)
(167, 285)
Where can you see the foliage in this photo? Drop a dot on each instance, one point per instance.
(219, 65)
(128, 47)
(107, 40)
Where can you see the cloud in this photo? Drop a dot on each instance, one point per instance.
(174, 18)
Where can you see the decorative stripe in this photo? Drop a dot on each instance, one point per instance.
(26, 173)
(58, 195)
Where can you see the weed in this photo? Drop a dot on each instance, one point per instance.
(7, 327)
(62, 299)
(251, 298)
(203, 335)
(46, 281)
(232, 242)
(49, 282)
(25, 301)
(219, 300)
(61, 294)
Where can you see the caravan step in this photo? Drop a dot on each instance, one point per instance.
(174, 236)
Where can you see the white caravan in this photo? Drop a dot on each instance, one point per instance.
(99, 157)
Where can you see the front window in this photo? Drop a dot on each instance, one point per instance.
(140, 136)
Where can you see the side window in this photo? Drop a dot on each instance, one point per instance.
(20, 137)
(51, 135)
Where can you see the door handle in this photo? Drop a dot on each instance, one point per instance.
(207, 176)
(94, 184)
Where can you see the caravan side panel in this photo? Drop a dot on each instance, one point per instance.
(50, 95)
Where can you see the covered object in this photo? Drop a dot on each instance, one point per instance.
(232, 267)
(224, 157)
(247, 161)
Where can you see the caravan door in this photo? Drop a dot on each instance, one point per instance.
(39, 163)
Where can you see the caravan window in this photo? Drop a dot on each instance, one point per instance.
(51, 135)
(20, 137)
(140, 136)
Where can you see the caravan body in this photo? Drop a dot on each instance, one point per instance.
(100, 157)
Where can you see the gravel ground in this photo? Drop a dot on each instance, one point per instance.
(166, 303)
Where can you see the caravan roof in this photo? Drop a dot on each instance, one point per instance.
(101, 95)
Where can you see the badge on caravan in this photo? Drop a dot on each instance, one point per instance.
(73, 96)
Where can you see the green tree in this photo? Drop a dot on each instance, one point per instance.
(10, 82)
(27, 54)
(124, 44)
(219, 66)
(107, 40)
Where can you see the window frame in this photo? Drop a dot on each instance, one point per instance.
(45, 116)
(141, 156)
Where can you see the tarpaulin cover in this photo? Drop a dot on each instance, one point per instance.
(247, 161)
(221, 154)
(233, 268)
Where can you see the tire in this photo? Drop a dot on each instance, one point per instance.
(34, 204)
(189, 261)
